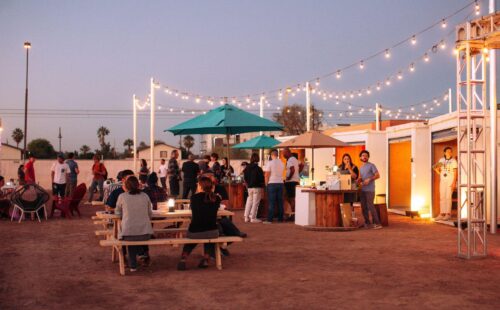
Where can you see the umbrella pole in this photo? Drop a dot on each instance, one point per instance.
(312, 169)
(229, 168)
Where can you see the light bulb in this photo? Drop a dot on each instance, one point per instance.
(400, 76)
(378, 86)
(413, 40)
(317, 82)
(412, 67)
(426, 57)
(477, 8)
(361, 65)
(485, 50)
(336, 102)
(387, 53)
(388, 82)
(442, 45)
(338, 74)
(443, 23)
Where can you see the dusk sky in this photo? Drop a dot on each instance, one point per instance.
(89, 57)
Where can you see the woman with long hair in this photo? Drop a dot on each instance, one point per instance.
(136, 212)
(143, 172)
(348, 167)
(204, 207)
(227, 170)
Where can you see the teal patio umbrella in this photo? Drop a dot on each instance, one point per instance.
(228, 120)
(259, 142)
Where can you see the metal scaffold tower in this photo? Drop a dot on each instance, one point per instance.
(474, 40)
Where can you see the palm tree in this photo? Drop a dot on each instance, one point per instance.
(102, 132)
(18, 135)
(85, 149)
(128, 143)
(188, 142)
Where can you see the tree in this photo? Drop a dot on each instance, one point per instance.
(293, 119)
(18, 135)
(128, 143)
(41, 148)
(84, 149)
(102, 132)
(188, 142)
(142, 146)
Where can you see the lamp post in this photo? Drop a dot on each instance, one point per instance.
(27, 46)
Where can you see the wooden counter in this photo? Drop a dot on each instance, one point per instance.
(327, 205)
(236, 197)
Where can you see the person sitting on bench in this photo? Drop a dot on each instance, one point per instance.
(204, 207)
(135, 209)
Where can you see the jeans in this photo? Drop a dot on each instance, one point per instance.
(134, 250)
(163, 181)
(174, 186)
(209, 248)
(70, 188)
(188, 187)
(367, 205)
(253, 201)
(96, 184)
(58, 190)
(275, 196)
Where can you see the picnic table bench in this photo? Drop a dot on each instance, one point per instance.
(118, 244)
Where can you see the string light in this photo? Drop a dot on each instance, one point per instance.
(426, 57)
(338, 75)
(400, 76)
(442, 45)
(477, 8)
(387, 53)
(413, 40)
(412, 67)
(361, 65)
(443, 23)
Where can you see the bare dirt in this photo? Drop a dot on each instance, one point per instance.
(58, 264)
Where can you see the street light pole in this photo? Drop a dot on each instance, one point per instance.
(27, 46)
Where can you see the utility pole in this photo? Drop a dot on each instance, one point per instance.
(60, 138)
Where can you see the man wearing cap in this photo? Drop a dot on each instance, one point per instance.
(59, 175)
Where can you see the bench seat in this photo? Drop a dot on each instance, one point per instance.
(118, 244)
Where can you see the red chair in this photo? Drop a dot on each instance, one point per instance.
(69, 204)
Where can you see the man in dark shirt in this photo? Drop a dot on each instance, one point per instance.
(113, 196)
(174, 173)
(191, 171)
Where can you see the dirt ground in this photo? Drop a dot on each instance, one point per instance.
(410, 264)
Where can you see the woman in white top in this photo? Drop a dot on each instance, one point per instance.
(273, 172)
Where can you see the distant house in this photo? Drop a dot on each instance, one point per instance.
(161, 150)
(10, 152)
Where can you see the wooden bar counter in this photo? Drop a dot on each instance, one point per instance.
(326, 206)
(236, 198)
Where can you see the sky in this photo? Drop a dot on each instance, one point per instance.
(89, 57)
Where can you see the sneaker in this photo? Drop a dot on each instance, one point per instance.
(133, 269)
(439, 217)
(376, 226)
(224, 252)
(447, 217)
(247, 219)
(181, 265)
(267, 222)
(255, 221)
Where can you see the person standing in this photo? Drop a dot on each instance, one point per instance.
(348, 167)
(99, 172)
(274, 180)
(190, 171)
(143, 172)
(29, 170)
(59, 176)
(73, 174)
(174, 173)
(162, 173)
(446, 167)
(292, 177)
(368, 173)
(203, 164)
(215, 166)
(254, 180)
